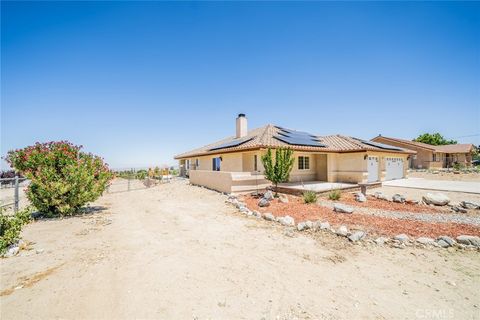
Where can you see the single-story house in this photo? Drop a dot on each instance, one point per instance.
(234, 164)
(429, 156)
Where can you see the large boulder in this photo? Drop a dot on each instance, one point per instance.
(436, 198)
(469, 240)
(470, 205)
(263, 202)
(342, 208)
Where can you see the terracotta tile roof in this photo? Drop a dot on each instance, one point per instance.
(408, 142)
(455, 148)
(449, 148)
(264, 138)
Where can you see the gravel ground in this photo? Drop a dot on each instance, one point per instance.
(180, 252)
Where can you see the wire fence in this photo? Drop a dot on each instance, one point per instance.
(12, 192)
(13, 197)
(131, 183)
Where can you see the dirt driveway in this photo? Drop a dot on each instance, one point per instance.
(179, 252)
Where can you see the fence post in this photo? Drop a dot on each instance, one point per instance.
(17, 200)
(128, 183)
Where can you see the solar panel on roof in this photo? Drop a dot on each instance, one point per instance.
(288, 132)
(299, 142)
(379, 145)
(232, 143)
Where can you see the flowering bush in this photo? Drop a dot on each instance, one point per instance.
(63, 178)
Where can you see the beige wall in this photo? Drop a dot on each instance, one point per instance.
(217, 180)
(347, 167)
(332, 167)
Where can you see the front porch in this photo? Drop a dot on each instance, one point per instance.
(319, 187)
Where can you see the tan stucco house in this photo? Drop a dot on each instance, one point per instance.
(234, 164)
(429, 156)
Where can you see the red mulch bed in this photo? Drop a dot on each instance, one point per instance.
(372, 224)
(372, 202)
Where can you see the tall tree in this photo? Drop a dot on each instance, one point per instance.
(278, 170)
(435, 139)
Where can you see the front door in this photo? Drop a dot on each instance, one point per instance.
(372, 164)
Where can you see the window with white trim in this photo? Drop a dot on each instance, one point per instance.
(197, 164)
(303, 163)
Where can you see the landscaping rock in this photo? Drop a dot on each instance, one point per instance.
(12, 250)
(257, 214)
(426, 241)
(301, 226)
(470, 205)
(289, 232)
(342, 208)
(268, 195)
(360, 197)
(269, 217)
(283, 198)
(380, 196)
(449, 241)
(459, 209)
(443, 244)
(263, 202)
(398, 198)
(243, 209)
(309, 224)
(342, 231)
(381, 240)
(469, 240)
(287, 221)
(437, 198)
(401, 237)
(325, 226)
(356, 236)
(411, 201)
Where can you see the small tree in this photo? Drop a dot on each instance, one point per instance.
(435, 139)
(63, 178)
(278, 171)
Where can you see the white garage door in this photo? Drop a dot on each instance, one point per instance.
(393, 168)
(372, 169)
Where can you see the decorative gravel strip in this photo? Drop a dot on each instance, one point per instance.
(443, 216)
(373, 224)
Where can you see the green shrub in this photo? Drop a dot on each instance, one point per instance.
(63, 178)
(278, 170)
(11, 226)
(309, 197)
(335, 195)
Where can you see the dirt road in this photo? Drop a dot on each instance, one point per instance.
(179, 252)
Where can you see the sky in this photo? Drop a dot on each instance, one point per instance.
(138, 82)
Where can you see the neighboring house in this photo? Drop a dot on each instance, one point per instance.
(429, 156)
(234, 164)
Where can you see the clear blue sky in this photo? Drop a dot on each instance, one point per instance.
(138, 82)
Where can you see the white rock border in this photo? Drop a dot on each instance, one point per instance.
(400, 241)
